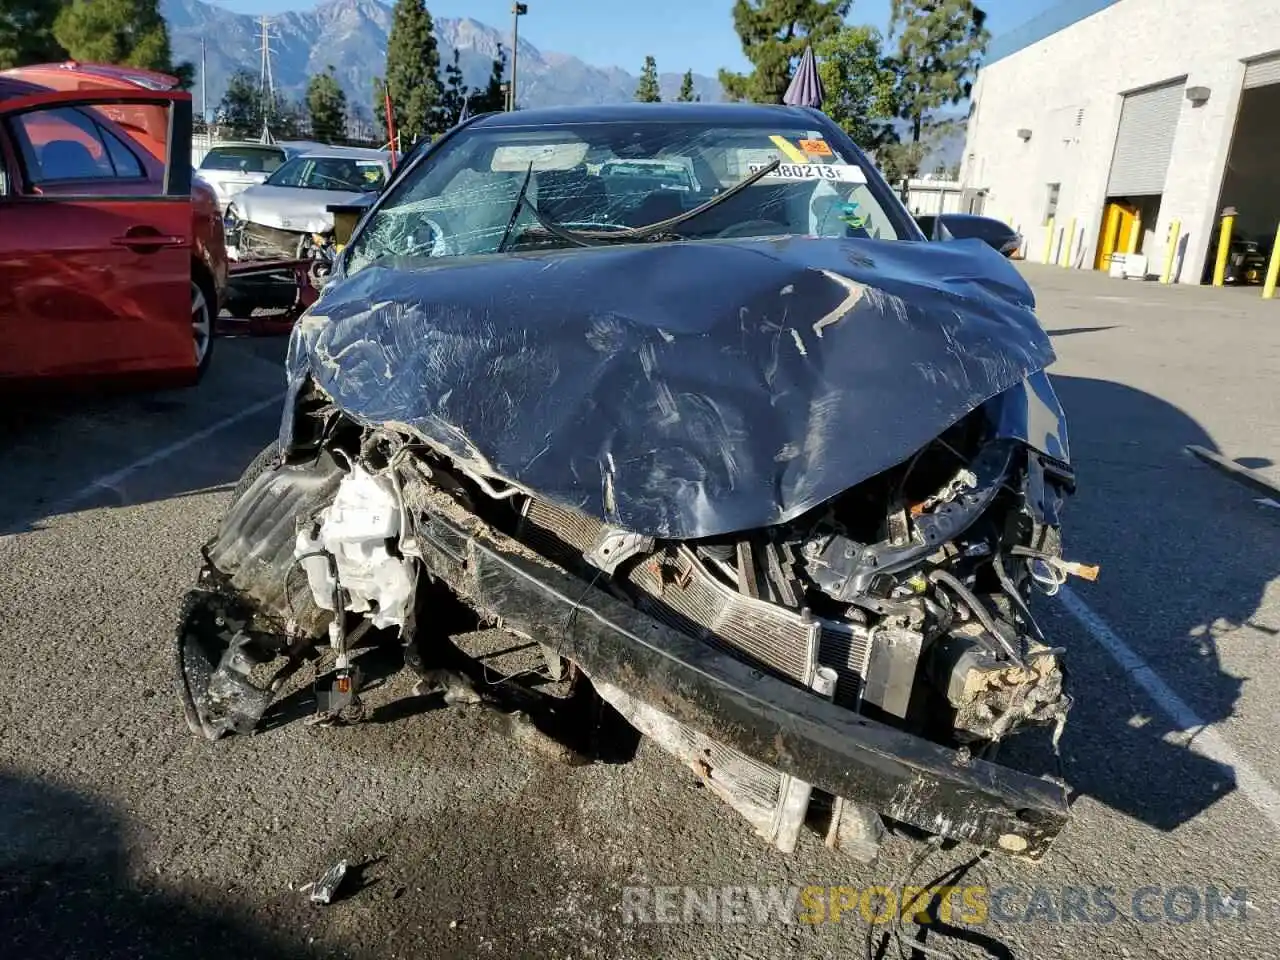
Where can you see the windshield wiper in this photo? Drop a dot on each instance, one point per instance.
(593, 238)
(515, 210)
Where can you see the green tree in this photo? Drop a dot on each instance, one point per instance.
(413, 62)
(240, 109)
(244, 111)
(647, 89)
(491, 99)
(379, 107)
(26, 32)
(860, 85)
(773, 34)
(939, 47)
(327, 107)
(127, 32)
(686, 94)
(453, 95)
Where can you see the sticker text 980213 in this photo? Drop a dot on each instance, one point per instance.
(840, 172)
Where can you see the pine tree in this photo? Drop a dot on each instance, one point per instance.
(647, 89)
(127, 32)
(686, 94)
(26, 33)
(413, 62)
(773, 34)
(492, 99)
(453, 96)
(939, 47)
(327, 107)
(859, 83)
(240, 109)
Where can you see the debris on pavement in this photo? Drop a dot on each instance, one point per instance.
(324, 889)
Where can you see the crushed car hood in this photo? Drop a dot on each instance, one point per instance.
(678, 390)
(291, 208)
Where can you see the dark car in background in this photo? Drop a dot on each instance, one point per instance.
(970, 226)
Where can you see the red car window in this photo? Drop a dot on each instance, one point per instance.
(67, 143)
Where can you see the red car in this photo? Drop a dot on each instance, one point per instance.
(112, 259)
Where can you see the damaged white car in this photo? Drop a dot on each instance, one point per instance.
(749, 461)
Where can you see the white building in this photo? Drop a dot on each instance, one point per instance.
(1124, 117)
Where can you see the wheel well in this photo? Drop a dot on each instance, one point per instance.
(200, 274)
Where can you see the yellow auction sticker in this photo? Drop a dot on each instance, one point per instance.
(788, 148)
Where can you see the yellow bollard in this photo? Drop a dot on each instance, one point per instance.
(1224, 245)
(1070, 242)
(1273, 269)
(1171, 245)
(1048, 240)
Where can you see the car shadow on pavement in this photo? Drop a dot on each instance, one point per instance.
(1183, 565)
(64, 451)
(66, 890)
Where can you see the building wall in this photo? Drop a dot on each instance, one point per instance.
(1067, 89)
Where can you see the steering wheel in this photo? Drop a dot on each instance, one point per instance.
(753, 228)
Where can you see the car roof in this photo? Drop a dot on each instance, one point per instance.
(11, 89)
(345, 153)
(708, 113)
(242, 144)
(72, 74)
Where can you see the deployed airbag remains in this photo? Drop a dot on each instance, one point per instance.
(677, 390)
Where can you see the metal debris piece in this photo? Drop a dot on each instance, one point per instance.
(457, 688)
(324, 889)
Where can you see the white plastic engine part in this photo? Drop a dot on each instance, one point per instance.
(356, 529)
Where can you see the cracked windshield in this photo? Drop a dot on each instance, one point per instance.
(513, 189)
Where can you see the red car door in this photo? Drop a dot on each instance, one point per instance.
(95, 239)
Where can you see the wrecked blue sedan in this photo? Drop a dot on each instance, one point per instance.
(668, 413)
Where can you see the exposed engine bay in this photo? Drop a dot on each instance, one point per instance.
(904, 600)
(793, 536)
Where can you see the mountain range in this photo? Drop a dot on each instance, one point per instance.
(351, 35)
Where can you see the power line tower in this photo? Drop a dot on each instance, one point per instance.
(266, 83)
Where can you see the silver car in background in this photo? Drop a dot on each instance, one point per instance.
(232, 167)
(284, 214)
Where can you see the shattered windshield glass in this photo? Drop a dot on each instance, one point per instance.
(615, 177)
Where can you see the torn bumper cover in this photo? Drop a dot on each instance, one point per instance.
(781, 502)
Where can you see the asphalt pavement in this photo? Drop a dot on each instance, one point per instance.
(122, 836)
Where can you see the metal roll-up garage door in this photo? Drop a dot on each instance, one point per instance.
(1144, 143)
(1262, 73)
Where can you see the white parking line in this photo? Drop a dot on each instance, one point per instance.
(113, 480)
(1203, 740)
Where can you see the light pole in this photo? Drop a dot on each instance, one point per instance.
(518, 10)
(204, 87)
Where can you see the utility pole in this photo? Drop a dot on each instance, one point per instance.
(518, 10)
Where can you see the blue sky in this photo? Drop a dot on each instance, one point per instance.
(681, 34)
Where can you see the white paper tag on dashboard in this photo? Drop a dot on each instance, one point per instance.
(840, 172)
